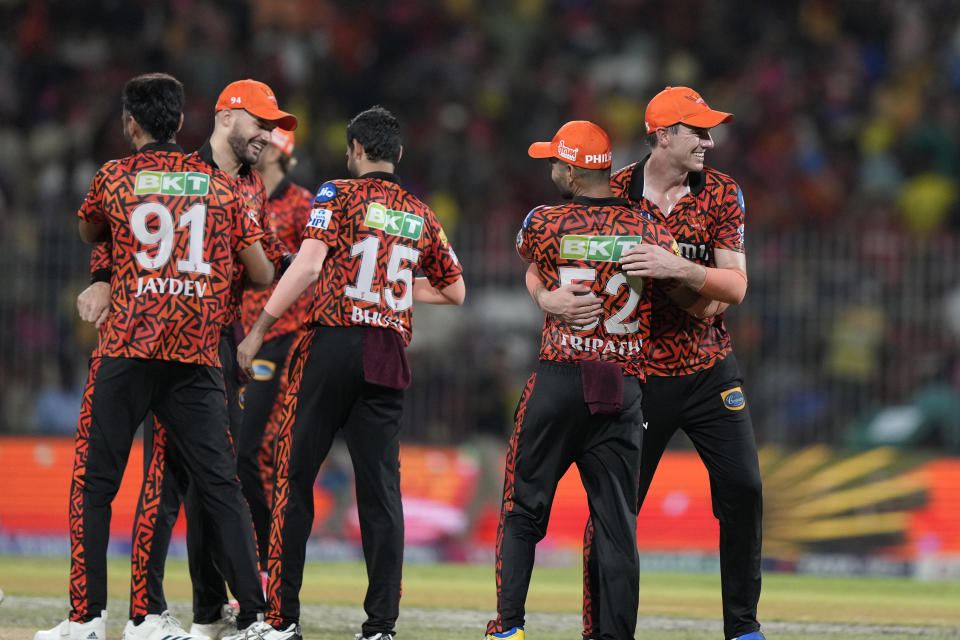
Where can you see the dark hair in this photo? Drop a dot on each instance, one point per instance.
(155, 100)
(378, 132)
(652, 137)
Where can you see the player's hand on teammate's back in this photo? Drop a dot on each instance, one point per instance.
(571, 303)
(650, 261)
(93, 303)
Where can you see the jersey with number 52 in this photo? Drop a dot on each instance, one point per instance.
(175, 224)
(581, 243)
(379, 235)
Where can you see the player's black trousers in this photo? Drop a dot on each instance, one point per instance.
(327, 392)
(208, 563)
(553, 429)
(259, 397)
(722, 433)
(189, 399)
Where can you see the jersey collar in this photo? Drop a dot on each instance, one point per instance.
(160, 146)
(696, 180)
(602, 202)
(206, 154)
(381, 175)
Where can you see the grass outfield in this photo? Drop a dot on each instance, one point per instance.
(452, 602)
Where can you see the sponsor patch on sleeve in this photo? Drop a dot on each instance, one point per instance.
(326, 193)
(319, 218)
(733, 399)
(743, 207)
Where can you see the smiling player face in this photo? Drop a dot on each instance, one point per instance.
(688, 147)
(248, 136)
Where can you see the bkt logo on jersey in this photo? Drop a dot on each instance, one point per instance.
(396, 223)
(596, 248)
(178, 183)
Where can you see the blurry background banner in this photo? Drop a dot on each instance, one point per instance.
(820, 503)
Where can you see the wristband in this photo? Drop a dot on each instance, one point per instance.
(100, 275)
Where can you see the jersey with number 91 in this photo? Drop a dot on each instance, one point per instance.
(581, 243)
(378, 235)
(175, 224)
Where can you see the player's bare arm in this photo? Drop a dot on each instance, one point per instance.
(425, 292)
(257, 268)
(571, 303)
(703, 291)
(303, 272)
(93, 232)
(93, 303)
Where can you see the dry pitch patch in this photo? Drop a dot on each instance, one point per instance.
(21, 616)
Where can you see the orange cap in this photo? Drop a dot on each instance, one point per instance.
(681, 104)
(258, 99)
(580, 143)
(283, 140)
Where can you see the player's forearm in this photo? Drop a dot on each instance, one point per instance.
(293, 283)
(534, 284)
(426, 293)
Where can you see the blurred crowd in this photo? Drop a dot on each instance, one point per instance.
(846, 143)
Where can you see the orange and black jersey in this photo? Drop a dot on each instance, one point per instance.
(175, 224)
(709, 217)
(285, 216)
(254, 193)
(254, 197)
(581, 242)
(378, 235)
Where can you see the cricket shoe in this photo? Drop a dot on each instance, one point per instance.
(95, 629)
(218, 629)
(158, 627)
(261, 630)
(376, 636)
(515, 633)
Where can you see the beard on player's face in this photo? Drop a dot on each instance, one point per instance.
(246, 149)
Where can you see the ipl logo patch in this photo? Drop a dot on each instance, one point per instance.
(733, 399)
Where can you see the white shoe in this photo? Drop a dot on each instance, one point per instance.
(218, 629)
(376, 636)
(158, 627)
(95, 629)
(260, 630)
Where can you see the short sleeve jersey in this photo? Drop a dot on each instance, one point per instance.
(285, 216)
(175, 224)
(378, 236)
(581, 242)
(709, 217)
(254, 194)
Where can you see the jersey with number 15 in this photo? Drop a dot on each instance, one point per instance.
(378, 235)
(175, 224)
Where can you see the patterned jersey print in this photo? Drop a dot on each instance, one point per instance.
(581, 242)
(709, 217)
(250, 184)
(379, 235)
(285, 216)
(175, 224)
